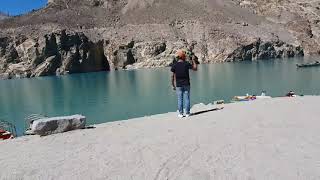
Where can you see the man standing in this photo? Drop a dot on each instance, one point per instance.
(181, 81)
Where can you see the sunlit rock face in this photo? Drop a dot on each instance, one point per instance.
(53, 54)
(123, 34)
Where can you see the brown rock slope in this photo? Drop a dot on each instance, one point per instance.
(72, 36)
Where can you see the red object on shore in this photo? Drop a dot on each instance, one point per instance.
(5, 134)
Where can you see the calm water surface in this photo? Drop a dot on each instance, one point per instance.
(105, 97)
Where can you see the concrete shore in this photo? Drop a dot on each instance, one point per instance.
(268, 139)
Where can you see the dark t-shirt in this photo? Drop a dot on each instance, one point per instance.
(181, 69)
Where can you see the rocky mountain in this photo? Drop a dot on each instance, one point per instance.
(3, 16)
(73, 36)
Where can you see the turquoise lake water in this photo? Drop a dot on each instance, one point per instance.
(110, 96)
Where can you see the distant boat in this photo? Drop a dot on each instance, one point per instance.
(316, 63)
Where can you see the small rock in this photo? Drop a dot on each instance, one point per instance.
(4, 76)
(245, 24)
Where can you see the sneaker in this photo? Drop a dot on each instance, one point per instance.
(188, 115)
(180, 115)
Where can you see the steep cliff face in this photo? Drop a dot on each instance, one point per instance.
(300, 18)
(53, 54)
(72, 36)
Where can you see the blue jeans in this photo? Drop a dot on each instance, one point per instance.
(183, 94)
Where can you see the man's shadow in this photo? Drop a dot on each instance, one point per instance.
(206, 111)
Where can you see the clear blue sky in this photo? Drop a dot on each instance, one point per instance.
(16, 7)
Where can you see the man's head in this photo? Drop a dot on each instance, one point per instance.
(181, 54)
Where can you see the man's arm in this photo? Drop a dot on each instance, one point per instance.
(173, 81)
(194, 65)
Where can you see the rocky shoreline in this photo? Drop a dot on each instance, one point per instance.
(52, 54)
(63, 52)
(99, 35)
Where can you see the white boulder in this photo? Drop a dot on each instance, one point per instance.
(47, 126)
